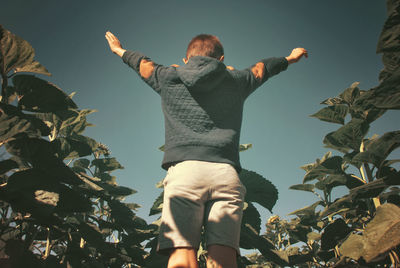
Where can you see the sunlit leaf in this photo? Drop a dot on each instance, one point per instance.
(381, 234)
(244, 147)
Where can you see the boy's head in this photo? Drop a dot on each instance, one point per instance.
(205, 45)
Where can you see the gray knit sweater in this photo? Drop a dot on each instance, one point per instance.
(202, 102)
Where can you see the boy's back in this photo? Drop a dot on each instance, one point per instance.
(202, 102)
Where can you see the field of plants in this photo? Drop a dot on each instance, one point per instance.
(61, 206)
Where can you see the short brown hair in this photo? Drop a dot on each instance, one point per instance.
(205, 45)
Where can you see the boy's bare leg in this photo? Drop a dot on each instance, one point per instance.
(183, 258)
(221, 257)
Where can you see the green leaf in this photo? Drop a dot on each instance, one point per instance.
(124, 216)
(333, 114)
(117, 191)
(74, 146)
(303, 187)
(308, 210)
(18, 54)
(40, 153)
(334, 233)
(347, 137)
(252, 217)
(324, 167)
(259, 189)
(69, 148)
(157, 205)
(331, 181)
(351, 93)
(36, 191)
(313, 236)
(333, 101)
(340, 205)
(379, 149)
(39, 95)
(7, 165)
(107, 164)
(82, 163)
(13, 122)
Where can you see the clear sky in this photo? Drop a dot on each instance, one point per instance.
(340, 35)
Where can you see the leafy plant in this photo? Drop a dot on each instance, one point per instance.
(59, 204)
(360, 228)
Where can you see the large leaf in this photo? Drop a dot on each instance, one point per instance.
(307, 211)
(36, 191)
(259, 189)
(7, 165)
(387, 94)
(40, 153)
(381, 234)
(347, 137)
(331, 181)
(303, 187)
(125, 218)
(74, 146)
(106, 164)
(39, 95)
(379, 149)
(67, 122)
(157, 205)
(333, 114)
(326, 166)
(252, 217)
(389, 38)
(13, 122)
(351, 93)
(17, 54)
(334, 233)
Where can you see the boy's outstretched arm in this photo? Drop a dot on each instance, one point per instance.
(296, 55)
(114, 44)
(150, 72)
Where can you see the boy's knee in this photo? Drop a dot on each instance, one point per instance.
(221, 256)
(183, 258)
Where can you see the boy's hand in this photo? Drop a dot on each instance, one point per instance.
(297, 54)
(114, 44)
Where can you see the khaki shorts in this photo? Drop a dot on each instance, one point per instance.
(196, 194)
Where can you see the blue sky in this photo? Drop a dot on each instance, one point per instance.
(341, 38)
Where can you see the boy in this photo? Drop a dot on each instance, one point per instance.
(202, 102)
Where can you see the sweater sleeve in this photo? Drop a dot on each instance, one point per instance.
(271, 66)
(155, 79)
